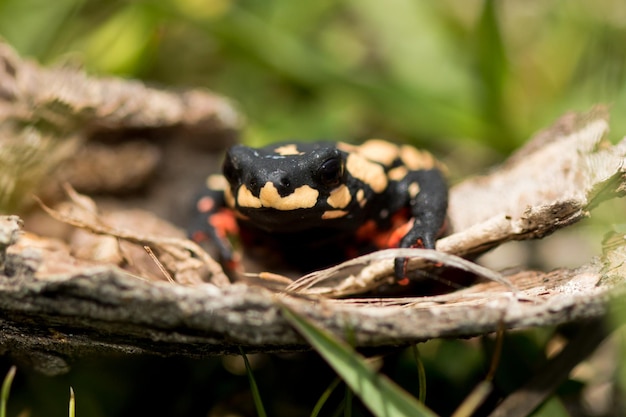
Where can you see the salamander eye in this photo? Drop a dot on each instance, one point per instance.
(330, 172)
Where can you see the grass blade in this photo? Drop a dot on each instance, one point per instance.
(480, 393)
(72, 403)
(347, 408)
(6, 389)
(381, 395)
(421, 375)
(322, 400)
(258, 403)
(471, 403)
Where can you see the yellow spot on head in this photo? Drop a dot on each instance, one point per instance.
(333, 214)
(379, 151)
(369, 172)
(302, 197)
(339, 197)
(246, 199)
(291, 149)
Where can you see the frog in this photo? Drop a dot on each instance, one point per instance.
(318, 203)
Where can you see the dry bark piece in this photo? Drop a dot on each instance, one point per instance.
(119, 168)
(564, 169)
(46, 114)
(174, 252)
(108, 311)
(68, 98)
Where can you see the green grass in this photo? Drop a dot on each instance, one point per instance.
(6, 390)
(382, 396)
(436, 74)
(254, 388)
(72, 408)
(324, 397)
(421, 374)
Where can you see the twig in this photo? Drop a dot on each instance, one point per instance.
(380, 267)
(159, 264)
(523, 401)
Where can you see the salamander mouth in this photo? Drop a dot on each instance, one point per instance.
(272, 220)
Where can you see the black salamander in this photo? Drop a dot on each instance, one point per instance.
(322, 202)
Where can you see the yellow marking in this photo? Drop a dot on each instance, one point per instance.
(398, 173)
(347, 147)
(380, 151)
(369, 172)
(333, 214)
(415, 159)
(414, 189)
(246, 199)
(228, 197)
(291, 149)
(302, 197)
(339, 197)
(216, 182)
(360, 197)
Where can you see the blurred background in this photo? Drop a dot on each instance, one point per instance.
(469, 80)
(481, 74)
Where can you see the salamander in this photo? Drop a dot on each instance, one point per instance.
(318, 203)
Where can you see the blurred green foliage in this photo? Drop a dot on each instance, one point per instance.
(442, 74)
